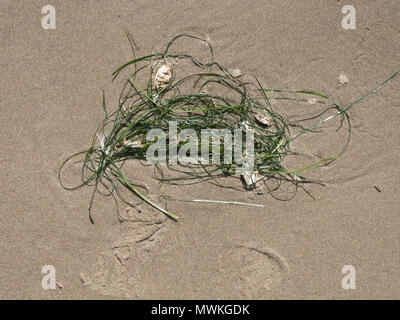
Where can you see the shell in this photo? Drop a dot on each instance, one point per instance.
(263, 119)
(251, 179)
(136, 144)
(133, 144)
(163, 76)
(343, 79)
(245, 125)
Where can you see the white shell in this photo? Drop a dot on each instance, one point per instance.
(343, 79)
(163, 76)
(251, 179)
(235, 72)
(263, 119)
(245, 125)
(133, 144)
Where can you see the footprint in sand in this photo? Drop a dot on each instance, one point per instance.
(108, 275)
(251, 273)
(245, 272)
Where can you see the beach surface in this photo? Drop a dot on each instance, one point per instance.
(51, 105)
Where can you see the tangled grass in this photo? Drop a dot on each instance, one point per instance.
(166, 87)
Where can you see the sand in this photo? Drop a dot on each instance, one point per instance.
(50, 101)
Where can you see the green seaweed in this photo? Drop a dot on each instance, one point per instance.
(209, 96)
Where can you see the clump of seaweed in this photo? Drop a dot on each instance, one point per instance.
(166, 87)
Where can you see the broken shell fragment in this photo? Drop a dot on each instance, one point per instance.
(251, 179)
(137, 144)
(263, 119)
(163, 76)
(245, 125)
(312, 101)
(343, 79)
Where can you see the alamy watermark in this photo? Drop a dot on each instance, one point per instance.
(187, 147)
(349, 280)
(349, 20)
(49, 20)
(49, 280)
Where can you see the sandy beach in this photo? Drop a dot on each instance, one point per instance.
(51, 105)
